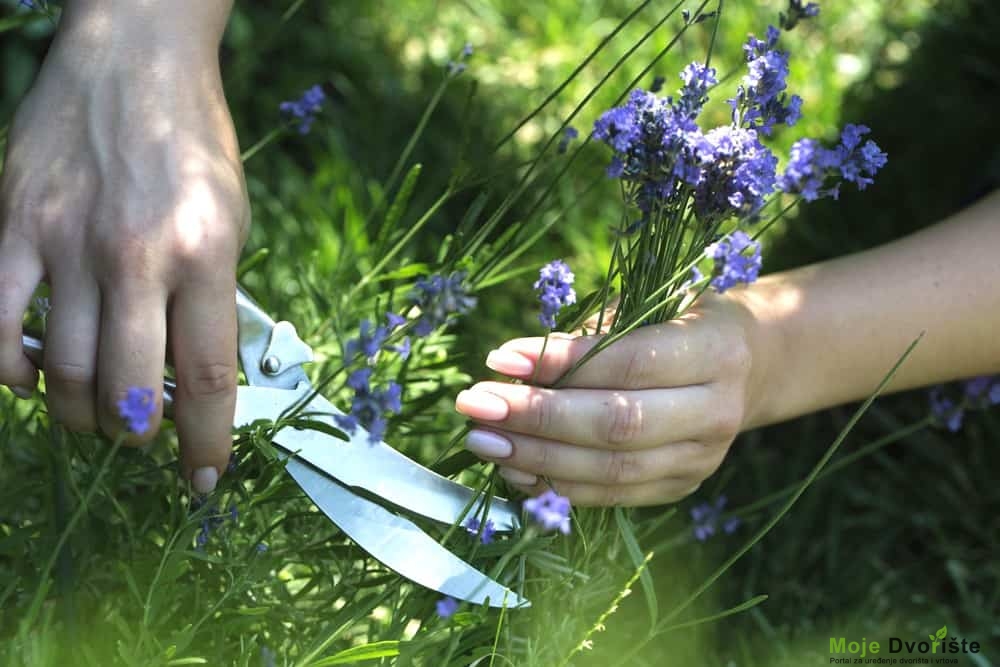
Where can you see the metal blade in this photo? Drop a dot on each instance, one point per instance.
(399, 543)
(377, 468)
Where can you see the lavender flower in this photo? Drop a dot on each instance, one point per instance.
(554, 290)
(814, 171)
(550, 511)
(212, 521)
(737, 174)
(760, 101)
(305, 108)
(697, 80)
(797, 12)
(983, 391)
(486, 537)
(706, 516)
(731, 265)
(569, 134)
(446, 607)
(456, 67)
(368, 342)
(650, 138)
(439, 298)
(946, 411)
(136, 408)
(369, 406)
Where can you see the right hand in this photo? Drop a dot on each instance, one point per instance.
(123, 189)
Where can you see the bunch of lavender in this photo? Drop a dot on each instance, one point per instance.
(695, 198)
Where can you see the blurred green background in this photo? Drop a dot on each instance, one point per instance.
(907, 539)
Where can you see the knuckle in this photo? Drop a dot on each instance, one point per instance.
(638, 364)
(622, 467)
(208, 380)
(70, 377)
(734, 358)
(541, 413)
(129, 255)
(624, 420)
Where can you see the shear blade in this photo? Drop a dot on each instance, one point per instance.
(400, 544)
(375, 467)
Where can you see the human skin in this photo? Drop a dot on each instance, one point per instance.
(123, 189)
(649, 418)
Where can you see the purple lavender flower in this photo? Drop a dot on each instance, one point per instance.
(761, 101)
(368, 407)
(261, 547)
(737, 174)
(137, 408)
(946, 411)
(706, 516)
(814, 171)
(797, 12)
(473, 524)
(369, 341)
(446, 607)
(650, 140)
(267, 657)
(439, 298)
(456, 67)
(305, 108)
(657, 84)
(550, 511)
(731, 265)
(982, 391)
(569, 134)
(212, 521)
(697, 80)
(554, 287)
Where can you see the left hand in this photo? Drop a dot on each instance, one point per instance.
(644, 422)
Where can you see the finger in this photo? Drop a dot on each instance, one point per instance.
(585, 464)
(20, 272)
(582, 494)
(203, 346)
(672, 354)
(130, 353)
(604, 419)
(71, 339)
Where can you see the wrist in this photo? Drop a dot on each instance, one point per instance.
(764, 303)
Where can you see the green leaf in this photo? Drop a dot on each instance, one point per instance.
(373, 651)
(399, 204)
(251, 262)
(943, 632)
(16, 21)
(626, 530)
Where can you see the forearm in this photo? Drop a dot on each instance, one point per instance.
(828, 333)
(149, 36)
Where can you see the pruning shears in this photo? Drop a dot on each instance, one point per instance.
(360, 486)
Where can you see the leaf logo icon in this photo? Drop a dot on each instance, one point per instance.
(943, 632)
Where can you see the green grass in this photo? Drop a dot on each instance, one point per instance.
(901, 540)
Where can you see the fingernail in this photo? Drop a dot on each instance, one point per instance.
(509, 363)
(204, 479)
(490, 445)
(481, 405)
(22, 392)
(515, 476)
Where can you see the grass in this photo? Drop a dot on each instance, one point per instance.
(899, 539)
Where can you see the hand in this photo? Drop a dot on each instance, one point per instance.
(123, 189)
(643, 422)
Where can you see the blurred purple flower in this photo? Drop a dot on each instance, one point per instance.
(369, 406)
(439, 298)
(797, 12)
(446, 607)
(472, 525)
(550, 510)
(305, 108)
(136, 408)
(569, 134)
(554, 287)
(732, 266)
(706, 516)
(946, 411)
